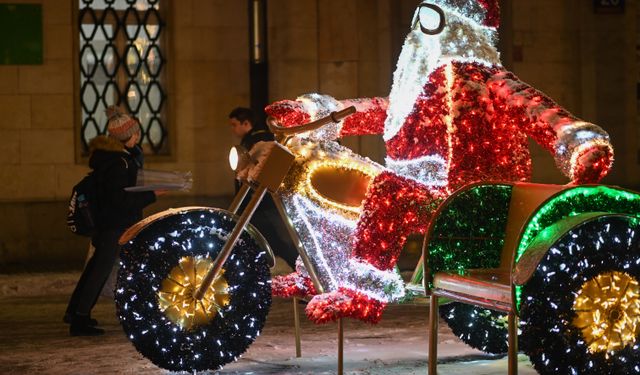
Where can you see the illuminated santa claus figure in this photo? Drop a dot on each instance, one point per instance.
(454, 116)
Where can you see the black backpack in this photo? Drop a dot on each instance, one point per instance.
(81, 216)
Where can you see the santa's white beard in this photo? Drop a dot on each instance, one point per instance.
(419, 57)
(422, 54)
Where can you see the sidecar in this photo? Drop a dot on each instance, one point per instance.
(551, 268)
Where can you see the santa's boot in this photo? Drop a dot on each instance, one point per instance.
(294, 284)
(394, 208)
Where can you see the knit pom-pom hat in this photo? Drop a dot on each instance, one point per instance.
(120, 125)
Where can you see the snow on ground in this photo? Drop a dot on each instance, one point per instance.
(33, 340)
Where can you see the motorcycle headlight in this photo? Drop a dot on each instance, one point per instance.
(234, 158)
(239, 158)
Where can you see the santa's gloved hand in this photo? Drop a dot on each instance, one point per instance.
(288, 113)
(591, 164)
(583, 152)
(306, 108)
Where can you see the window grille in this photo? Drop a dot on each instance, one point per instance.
(122, 63)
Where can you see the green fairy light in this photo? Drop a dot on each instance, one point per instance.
(469, 233)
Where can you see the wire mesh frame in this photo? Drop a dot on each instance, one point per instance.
(121, 62)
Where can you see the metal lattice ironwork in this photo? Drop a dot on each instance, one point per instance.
(122, 63)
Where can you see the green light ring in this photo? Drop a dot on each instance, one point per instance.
(574, 201)
(554, 345)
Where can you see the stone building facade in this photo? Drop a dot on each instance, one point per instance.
(347, 48)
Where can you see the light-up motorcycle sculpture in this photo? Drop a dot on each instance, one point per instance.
(194, 287)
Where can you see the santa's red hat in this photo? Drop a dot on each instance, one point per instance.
(485, 12)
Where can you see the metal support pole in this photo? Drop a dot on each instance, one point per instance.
(239, 198)
(426, 270)
(313, 275)
(258, 59)
(512, 323)
(433, 335)
(243, 220)
(296, 323)
(340, 347)
(513, 344)
(512, 326)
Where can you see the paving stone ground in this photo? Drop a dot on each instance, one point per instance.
(33, 340)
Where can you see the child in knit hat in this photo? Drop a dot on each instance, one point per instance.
(115, 159)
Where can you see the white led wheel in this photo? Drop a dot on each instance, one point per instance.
(480, 328)
(163, 266)
(580, 310)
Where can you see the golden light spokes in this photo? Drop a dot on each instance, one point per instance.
(607, 311)
(175, 298)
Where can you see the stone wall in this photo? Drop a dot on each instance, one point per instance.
(586, 62)
(341, 48)
(208, 76)
(346, 48)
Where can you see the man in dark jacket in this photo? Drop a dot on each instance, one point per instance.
(116, 160)
(266, 218)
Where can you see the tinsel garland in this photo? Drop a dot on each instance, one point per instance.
(325, 228)
(479, 328)
(577, 200)
(147, 260)
(553, 343)
(292, 285)
(369, 118)
(288, 113)
(344, 303)
(394, 208)
(469, 233)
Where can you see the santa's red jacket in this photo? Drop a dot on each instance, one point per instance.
(471, 124)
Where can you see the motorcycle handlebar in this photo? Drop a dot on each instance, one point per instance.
(333, 117)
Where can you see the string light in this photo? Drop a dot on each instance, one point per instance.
(162, 319)
(574, 201)
(344, 164)
(176, 300)
(580, 310)
(469, 233)
(454, 116)
(608, 311)
(325, 227)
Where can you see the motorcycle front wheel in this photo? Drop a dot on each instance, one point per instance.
(163, 265)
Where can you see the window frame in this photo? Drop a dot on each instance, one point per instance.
(81, 155)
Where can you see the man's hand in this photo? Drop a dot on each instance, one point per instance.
(259, 153)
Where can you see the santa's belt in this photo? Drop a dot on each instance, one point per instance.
(429, 170)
